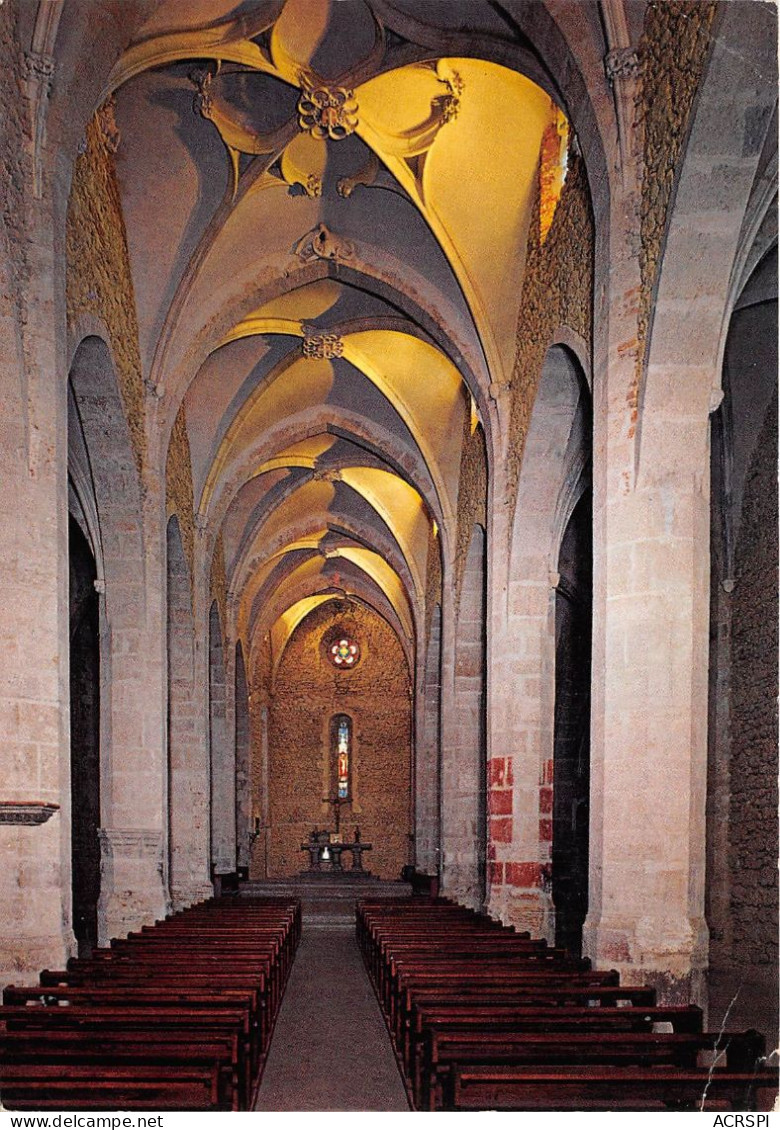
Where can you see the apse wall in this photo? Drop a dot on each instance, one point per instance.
(308, 692)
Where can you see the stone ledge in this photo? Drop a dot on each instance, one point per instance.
(26, 811)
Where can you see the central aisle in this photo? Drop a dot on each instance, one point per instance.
(330, 1049)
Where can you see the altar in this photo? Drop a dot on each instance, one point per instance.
(325, 849)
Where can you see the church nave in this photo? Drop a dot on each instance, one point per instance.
(388, 494)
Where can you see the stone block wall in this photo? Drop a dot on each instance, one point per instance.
(472, 495)
(742, 841)
(673, 52)
(14, 157)
(99, 279)
(754, 739)
(179, 492)
(308, 691)
(433, 581)
(218, 580)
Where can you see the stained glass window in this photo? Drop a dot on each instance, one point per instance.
(340, 729)
(342, 757)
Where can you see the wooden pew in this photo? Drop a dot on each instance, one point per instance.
(445, 1049)
(551, 992)
(183, 993)
(173, 971)
(611, 1088)
(394, 960)
(482, 1021)
(230, 1026)
(151, 1049)
(486, 1001)
(430, 1015)
(41, 1086)
(195, 996)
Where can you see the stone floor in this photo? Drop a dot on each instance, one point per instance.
(327, 899)
(330, 1049)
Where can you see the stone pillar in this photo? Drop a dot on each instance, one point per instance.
(131, 879)
(35, 886)
(522, 686)
(258, 718)
(520, 734)
(426, 798)
(650, 619)
(223, 765)
(463, 747)
(35, 899)
(134, 885)
(648, 822)
(187, 753)
(520, 768)
(243, 754)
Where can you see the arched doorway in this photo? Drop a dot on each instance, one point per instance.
(84, 738)
(571, 740)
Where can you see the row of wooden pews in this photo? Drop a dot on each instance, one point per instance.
(483, 1017)
(177, 1016)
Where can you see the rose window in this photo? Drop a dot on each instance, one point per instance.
(344, 652)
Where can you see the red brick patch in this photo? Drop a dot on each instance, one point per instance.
(501, 829)
(545, 831)
(501, 802)
(523, 874)
(545, 800)
(497, 768)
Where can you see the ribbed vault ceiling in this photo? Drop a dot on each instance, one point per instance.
(326, 220)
